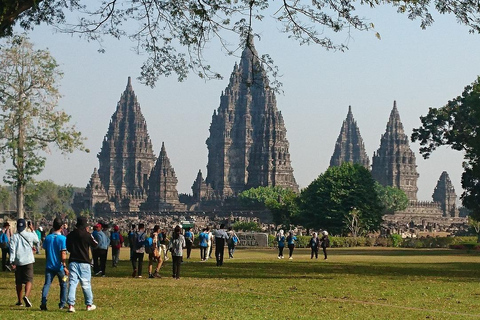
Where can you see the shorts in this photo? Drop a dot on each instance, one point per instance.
(156, 255)
(24, 274)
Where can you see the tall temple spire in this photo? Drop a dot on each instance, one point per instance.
(126, 157)
(444, 194)
(349, 146)
(162, 192)
(394, 163)
(247, 143)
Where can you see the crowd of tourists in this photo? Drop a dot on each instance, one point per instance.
(19, 249)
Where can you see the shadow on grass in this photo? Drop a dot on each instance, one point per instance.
(301, 269)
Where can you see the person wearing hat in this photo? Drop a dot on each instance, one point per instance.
(79, 242)
(100, 252)
(5, 236)
(116, 241)
(324, 243)
(21, 259)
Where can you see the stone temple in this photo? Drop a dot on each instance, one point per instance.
(394, 164)
(130, 177)
(247, 146)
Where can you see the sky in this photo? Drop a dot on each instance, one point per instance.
(416, 68)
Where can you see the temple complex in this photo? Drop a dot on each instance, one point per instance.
(247, 146)
(349, 146)
(394, 164)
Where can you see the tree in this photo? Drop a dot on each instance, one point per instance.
(282, 203)
(457, 124)
(30, 122)
(46, 199)
(246, 226)
(393, 199)
(173, 34)
(328, 200)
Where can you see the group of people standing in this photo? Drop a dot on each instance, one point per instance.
(315, 243)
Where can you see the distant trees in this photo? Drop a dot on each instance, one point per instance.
(48, 200)
(457, 124)
(30, 122)
(328, 202)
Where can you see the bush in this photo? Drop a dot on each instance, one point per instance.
(396, 240)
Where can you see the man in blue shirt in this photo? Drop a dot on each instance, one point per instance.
(55, 246)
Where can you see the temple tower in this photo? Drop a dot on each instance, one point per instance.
(126, 157)
(394, 162)
(162, 192)
(247, 146)
(444, 193)
(349, 146)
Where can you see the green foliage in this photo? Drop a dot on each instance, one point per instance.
(326, 202)
(392, 199)
(49, 200)
(246, 226)
(396, 240)
(282, 203)
(457, 124)
(30, 122)
(5, 197)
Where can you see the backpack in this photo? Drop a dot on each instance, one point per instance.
(139, 243)
(115, 239)
(234, 240)
(148, 245)
(132, 238)
(3, 240)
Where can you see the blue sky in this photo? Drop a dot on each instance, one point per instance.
(417, 68)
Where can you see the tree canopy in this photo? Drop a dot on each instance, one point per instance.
(173, 34)
(393, 199)
(30, 122)
(327, 203)
(457, 124)
(282, 203)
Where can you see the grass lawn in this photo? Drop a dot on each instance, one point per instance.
(358, 283)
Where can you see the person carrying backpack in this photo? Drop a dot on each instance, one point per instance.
(138, 250)
(291, 244)
(203, 243)
(155, 253)
(5, 236)
(232, 242)
(189, 241)
(116, 241)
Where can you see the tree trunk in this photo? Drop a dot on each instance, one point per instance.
(20, 200)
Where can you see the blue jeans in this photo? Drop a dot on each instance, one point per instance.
(49, 275)
(80, 272)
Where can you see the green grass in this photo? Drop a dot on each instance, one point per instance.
(359, 283)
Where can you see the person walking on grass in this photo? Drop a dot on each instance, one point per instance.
(55, 246)
(5, 236)
(176, 245)
(210, 239)
(324, 243)
(314, 244)
(116, 241)
(100, 252)
(291, 244)
(79, 242)
(138, 240)
(280, 243)
(22, 259)
(203, 243)
(232, 242)
(220, 238)
(155, 256)
(189, 241)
